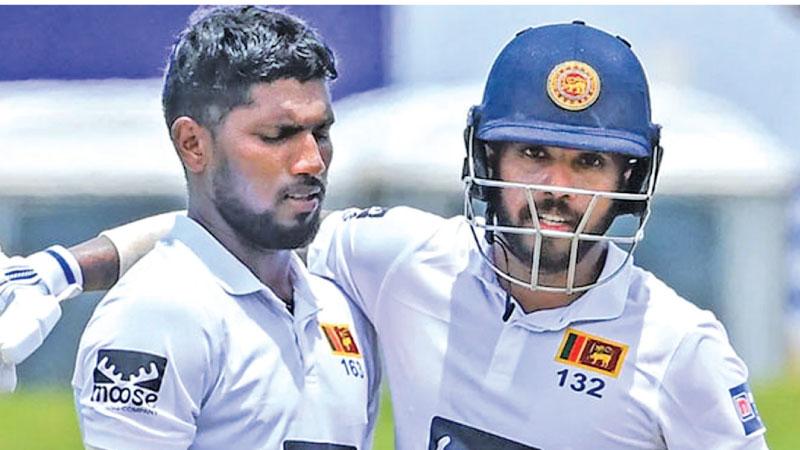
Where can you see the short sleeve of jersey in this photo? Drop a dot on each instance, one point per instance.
(705, 400)
(358, 247)
(143, 368)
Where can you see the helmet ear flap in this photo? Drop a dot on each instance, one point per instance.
(639, 181)
(635, 183)
(475, 149)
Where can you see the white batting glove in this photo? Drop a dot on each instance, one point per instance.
(29, 317)
(30, 290)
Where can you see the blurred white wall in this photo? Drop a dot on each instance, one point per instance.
(85, 137)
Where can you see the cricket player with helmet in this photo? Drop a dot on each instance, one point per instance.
(524, 323)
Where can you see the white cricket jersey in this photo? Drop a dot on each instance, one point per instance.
(629, 365)
(191, 350)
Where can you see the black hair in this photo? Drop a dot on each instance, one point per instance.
(224, 50)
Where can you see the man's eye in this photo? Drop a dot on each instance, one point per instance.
(270, 139)
(280, 134)
(533, 152)
(592, 161)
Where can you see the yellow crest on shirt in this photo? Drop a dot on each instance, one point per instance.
(590, 352)
(340, 339)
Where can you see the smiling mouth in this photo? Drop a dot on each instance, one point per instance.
(303, 197)
(554, 222)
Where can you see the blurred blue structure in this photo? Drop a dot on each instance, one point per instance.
(98, 42)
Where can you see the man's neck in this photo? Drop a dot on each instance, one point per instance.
(271, 267)
(586, 272)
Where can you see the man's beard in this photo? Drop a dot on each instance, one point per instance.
(553, 258)
(261, 228)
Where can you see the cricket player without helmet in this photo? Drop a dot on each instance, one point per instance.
(220, 337)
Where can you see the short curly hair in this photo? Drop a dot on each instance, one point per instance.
(224, 50)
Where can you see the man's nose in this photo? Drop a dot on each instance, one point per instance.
(561, 176)
(309, 159)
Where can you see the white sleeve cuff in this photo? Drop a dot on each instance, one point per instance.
(59, 270)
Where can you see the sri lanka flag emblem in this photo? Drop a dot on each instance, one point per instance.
(591, 352)
(340, 339)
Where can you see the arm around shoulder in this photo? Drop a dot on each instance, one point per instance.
(357, 247)
(134, 240)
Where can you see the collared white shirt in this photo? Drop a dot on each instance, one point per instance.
(191, 350)
(629, 365)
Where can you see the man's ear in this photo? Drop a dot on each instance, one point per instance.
(192, 141)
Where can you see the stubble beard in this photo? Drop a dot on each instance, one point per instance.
(554, 255)
(261, 229)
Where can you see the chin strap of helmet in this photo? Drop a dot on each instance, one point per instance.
(509, 307)
(509, 304)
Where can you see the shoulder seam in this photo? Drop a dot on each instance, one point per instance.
(405, 253)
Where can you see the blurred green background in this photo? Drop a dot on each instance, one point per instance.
(45, 420)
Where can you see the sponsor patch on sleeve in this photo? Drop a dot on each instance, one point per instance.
(128, 380)
(746, 408)
(340, 339)
(590, 352)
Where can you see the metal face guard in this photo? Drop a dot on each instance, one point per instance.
(478, 220)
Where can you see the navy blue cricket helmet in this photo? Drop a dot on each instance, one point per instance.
(569, 86)
(572, 86)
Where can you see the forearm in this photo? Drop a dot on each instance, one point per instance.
(107, 257)
(99, 263)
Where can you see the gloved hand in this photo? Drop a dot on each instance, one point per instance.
(30, 291)
(29, 317)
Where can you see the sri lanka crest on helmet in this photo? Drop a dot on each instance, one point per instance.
(573, 85)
